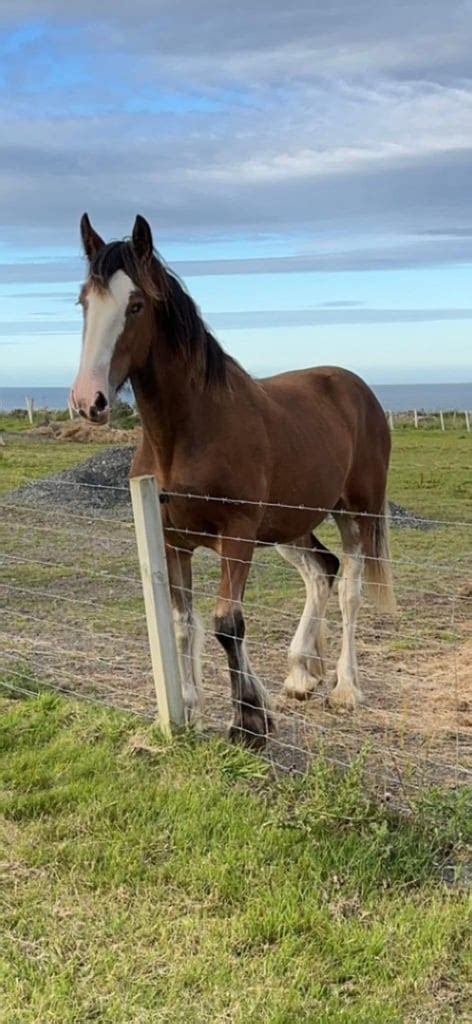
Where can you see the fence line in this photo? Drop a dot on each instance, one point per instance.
(403, 417)
(76, 621)
(370, 632)
(55, 596)
(53, 649)
(222, 499)
(392, 415)
(103, 573)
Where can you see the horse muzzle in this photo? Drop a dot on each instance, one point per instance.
(93, 406)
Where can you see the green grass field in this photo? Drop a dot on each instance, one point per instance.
(151, 883)
(148, 882)
(432, 473)
(22, 462)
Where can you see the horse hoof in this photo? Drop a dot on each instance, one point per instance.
(252, 729)
(296, 693)
(240, 736)
(299, 684)
(345, 698)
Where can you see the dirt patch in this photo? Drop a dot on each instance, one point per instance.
(86, 433)
(83, 631)
(447, 692)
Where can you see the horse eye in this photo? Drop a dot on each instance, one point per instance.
(136, 307)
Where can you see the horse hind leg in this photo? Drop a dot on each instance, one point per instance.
(346, 693)
(365, 556)
(317, 567)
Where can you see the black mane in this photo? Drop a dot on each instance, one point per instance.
(184, 327)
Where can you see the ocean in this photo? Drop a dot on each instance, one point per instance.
(396, 397)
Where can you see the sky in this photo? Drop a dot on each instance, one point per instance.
(305, 167)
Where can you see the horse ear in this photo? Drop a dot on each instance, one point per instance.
(142, 239)
(91, 241)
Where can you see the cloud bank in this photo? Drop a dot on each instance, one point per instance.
(233, 120)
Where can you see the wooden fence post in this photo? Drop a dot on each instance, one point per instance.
(29, 407)
(155, 580)
(391, 421)
(467, 422)
(441, 417)
(71, 411)
(415, 414)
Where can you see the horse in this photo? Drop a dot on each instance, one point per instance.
(274, 457)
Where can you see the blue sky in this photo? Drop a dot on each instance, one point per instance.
(306, 169)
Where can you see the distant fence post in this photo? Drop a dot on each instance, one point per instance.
(441, 417)
(155, 580)
(29, 407)
(391, 421)
(467, 422)
(71, 411)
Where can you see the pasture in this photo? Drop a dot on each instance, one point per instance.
(190, 882)
(75, 617)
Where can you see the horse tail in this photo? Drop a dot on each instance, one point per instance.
(378, 577)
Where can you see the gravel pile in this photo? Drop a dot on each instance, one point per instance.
(101, 485)
(401, 518)
(98, 485)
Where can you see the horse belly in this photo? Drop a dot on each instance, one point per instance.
(281, 525)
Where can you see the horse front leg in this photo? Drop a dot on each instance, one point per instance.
(188, 631)
(252, 721)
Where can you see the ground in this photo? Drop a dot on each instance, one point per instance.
(75, 618)
(143, 881)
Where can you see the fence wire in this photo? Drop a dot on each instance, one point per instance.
(73, 621)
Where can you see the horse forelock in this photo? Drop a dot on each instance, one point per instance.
(176, 311)
(117, 256)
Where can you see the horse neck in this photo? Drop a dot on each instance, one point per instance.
(166, 401)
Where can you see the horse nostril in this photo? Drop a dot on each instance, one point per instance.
(99, 406)
(82, 414)
(100, 402)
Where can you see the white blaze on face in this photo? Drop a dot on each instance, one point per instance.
(104, 322)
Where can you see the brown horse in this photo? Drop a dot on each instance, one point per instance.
(273, 456)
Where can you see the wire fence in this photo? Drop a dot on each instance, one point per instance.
(73, 621)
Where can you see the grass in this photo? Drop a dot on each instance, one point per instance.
(150, 883)
(17, 420)
(432, 472)
(21, 462)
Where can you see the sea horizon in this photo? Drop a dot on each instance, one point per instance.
(445, 397)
